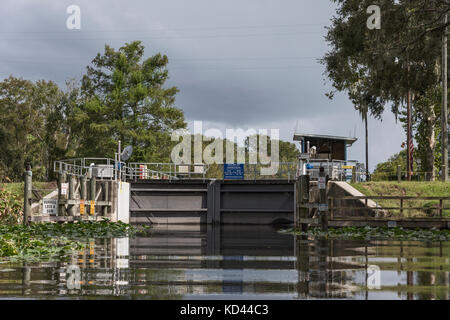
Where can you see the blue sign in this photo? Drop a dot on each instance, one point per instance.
(233, 171)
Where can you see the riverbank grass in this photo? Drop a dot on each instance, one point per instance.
(413, 189)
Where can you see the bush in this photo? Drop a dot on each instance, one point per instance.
(11, 209)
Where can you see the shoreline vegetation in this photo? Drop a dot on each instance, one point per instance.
(46, 241)
(408, 188)
(375, 233)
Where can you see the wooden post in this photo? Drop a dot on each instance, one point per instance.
(331, 208)
(27, 194)
(444, 172)
(401, 206)
(441, 203)
(399, 173)
(303, 199)
(93, 192)
(71, 207)
(354, 174)
(322, 184)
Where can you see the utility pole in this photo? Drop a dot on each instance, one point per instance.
(367, 146)
(444, 113)
(408, 133)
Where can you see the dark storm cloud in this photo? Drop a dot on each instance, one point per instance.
(237, 63)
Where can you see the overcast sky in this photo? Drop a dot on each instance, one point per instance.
(238, 64)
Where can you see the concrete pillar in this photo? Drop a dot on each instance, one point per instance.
(83, 188)
(105, 197)
(92, 191)
(61, 197)
(71, 207)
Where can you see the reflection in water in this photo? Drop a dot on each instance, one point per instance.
(235, 262)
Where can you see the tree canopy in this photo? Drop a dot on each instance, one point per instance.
(377, 67)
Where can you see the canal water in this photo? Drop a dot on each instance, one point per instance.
(235, 262)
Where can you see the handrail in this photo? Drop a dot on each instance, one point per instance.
(401, 208)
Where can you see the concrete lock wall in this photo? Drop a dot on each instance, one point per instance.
(212, 201)
(123, 202)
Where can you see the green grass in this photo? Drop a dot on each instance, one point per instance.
(16, 188)
(415, 189)
(11, 200)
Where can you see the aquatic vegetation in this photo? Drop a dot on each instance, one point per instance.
(372, 233)
(42, 241)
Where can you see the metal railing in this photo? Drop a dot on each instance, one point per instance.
(341, 170)
(166, 171)
(101, 167)
(110, 169)
(432, 207)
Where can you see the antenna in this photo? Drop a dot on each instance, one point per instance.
(126, 154)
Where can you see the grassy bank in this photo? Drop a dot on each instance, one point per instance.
(11, 200)
(16, 188)
(414, 189)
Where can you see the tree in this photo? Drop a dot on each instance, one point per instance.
(426, 117)
(388, 170)
(123, 98)
(24, 110)
(363, 112)
(379, 67)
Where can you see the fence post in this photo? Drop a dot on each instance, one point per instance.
(28, 174)
(353, 174)
(331, 208)
(441, 203)
(399, 173)
(302, 200)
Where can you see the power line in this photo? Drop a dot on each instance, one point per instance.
(168, 29)
(216, 36)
